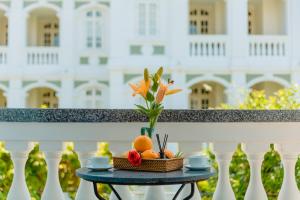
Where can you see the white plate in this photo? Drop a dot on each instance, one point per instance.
(103, 168)
(200, 168)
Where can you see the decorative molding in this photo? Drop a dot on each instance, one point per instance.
(57, 3)
(166, 76)
(226, 77)
(128, 77)
(250, 77)
(79, 4)
(286, 77)
(28, 3)
(6, 3)
(57, 83)
(135, 50)
(5, 83)
(104, 82)
(190, 77)
(26, 83)
(79, 83)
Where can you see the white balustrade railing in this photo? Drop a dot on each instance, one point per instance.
(3, 55)
(42, 56)
(207, 46)
(189, 136)
(268, 46)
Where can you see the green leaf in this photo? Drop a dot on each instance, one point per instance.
(150, 97)
(142, 109)
(154, 86)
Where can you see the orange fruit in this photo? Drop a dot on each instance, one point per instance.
(169, 154)
(142, 143)
(150, 154)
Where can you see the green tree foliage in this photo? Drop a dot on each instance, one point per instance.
(272, 169)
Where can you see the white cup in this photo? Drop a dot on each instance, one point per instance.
(98, 162)
(198, 161)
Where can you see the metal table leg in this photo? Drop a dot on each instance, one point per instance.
(181, 188)
(100, 197)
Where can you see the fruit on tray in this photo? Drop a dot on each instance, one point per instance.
(142, 143)
(134, 158)
(143, 149)
(169, 154)
(150, 154)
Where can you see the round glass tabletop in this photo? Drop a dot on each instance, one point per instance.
(122, 177)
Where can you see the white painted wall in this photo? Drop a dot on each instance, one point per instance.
(224, 52)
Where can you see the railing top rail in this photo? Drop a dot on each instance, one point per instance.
(123, 116)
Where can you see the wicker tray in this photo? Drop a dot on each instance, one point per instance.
(157, 165)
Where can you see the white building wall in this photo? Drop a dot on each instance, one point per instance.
(230, 55)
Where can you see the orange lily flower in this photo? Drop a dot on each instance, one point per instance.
(164, 91)
(141, 88)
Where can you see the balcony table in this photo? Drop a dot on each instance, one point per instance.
(124, 177)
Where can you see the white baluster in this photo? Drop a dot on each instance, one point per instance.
(85, 150)
(123, 191)
(52, 152)
(289, 189)
(155, 192)
(224, 153)
(19, 153)
(255, 153)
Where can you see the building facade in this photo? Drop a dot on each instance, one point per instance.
(83, 53)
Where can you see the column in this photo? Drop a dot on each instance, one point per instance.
(19, 153)
(178, 22)
(224, 152)
(120, 11)
(237, 30)
(289, 156)
(255, 153)
(180, 100)
(67, 41)
(238, 89)
(52, 151)
(85, 150)
(292, 17)
(16, 98)
(17, 34)
(116, 86)
(66, 95)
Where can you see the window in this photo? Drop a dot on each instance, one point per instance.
(200, 21)
(250, 22)
(49, 99)
(204, 103)
(50, 35)
(147, 18)
(94, 29)
(93, 98)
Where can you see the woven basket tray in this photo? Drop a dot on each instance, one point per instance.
(157, 165)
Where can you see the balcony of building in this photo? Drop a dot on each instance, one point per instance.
(268, 30)
(3, 37)
(43, 37)
(207, 31)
